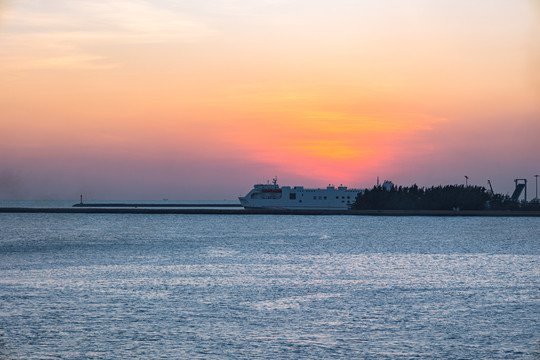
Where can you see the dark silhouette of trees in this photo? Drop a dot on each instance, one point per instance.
(449, 197)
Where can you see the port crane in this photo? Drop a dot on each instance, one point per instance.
(491, 188)
(521, 184)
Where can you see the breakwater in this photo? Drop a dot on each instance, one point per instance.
(207, 211)
(129, 205)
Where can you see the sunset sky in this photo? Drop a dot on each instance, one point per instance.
(195, 100)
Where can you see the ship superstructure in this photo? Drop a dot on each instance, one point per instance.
(272, 196)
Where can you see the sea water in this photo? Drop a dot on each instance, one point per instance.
(118, 286)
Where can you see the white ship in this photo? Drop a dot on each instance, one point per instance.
(272, 196)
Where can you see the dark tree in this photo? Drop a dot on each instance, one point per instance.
(447, 197)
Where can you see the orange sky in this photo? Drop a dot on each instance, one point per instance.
(144, 100)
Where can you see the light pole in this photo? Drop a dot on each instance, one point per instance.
(466, 181)
(536, 176)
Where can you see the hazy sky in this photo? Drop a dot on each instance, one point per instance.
(139, 99)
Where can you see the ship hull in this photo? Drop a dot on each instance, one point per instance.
(271, 196)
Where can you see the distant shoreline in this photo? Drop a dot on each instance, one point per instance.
(203, 211)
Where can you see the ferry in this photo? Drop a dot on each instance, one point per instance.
(272, 196)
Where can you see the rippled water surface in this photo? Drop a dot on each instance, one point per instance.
(102, 286)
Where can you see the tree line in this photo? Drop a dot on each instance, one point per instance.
(449, 197)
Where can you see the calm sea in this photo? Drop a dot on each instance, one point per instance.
(118, 286)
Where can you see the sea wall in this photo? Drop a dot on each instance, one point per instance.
(203, 211)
